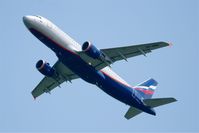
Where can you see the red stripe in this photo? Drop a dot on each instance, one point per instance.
(116, 79)
(148, 92)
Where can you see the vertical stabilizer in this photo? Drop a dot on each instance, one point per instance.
(147, 88)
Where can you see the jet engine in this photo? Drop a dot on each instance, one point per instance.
(91, 50)
(45, 68)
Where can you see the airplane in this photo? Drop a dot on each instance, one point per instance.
(93, 65)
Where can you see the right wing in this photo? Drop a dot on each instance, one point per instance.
(47, 83)
(121, 53)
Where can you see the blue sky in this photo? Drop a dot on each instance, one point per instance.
(81, 107)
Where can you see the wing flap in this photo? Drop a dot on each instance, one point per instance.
(131, 51)
(46, 85)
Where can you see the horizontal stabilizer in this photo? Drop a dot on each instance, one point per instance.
(155, 102)
(132, 112)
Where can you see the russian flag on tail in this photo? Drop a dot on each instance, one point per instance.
(147, 88)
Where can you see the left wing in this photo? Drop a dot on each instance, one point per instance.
(122, 53)
(47, 83)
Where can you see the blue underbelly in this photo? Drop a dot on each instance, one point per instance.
(89, 74)
(73, 61)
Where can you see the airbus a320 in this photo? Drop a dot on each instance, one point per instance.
(93, 66)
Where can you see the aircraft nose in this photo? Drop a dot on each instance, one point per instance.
(27, 20)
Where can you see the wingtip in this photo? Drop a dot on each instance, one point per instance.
(34, 97)
(170, 44)
(172, 99)
(126, 117)
(175, 100)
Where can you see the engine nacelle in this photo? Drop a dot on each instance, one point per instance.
(45, 68)
(91, 50)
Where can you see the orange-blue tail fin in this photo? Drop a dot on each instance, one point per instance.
(147, 88)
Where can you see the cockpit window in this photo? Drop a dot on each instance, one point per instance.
(38, 16)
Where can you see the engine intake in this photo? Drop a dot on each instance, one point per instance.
(45, 68)
(91, 50)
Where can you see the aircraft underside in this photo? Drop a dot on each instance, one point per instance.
(88, 73)
(92, 65)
